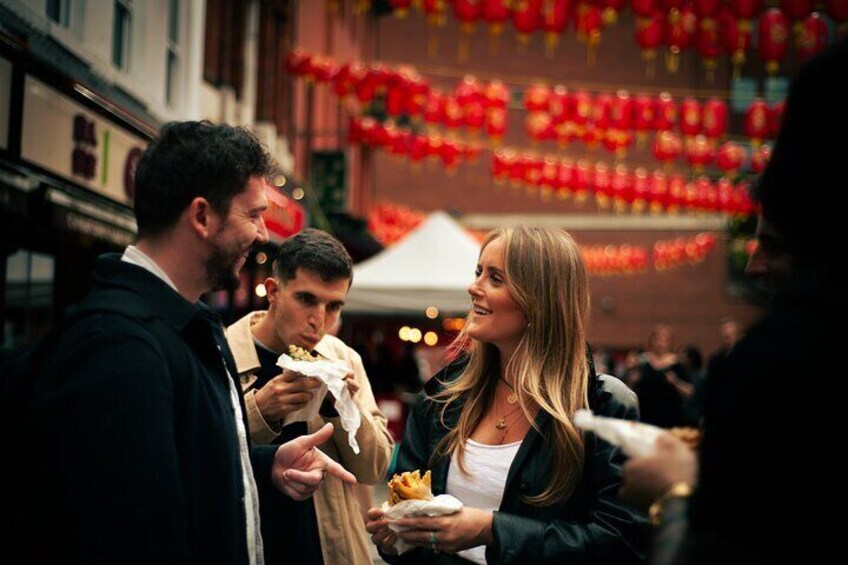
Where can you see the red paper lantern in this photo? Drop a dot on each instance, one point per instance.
(714, 119)
(690, 117)
(526, 16)
(495, 13)
(797, 11)
(681, 24)
(603, 111)
(347, 78)
(811, 37)
(560, 105)
(495, 124)
(838, 12)
(665, 112)
(641, 190)
(622, 188)
(502, 164)
(553, 19)
(730, 157)
(434, 109)
(709, 45)
(736, 35)
(454, 113)
(676, 192)
(583, 110)
(657, 192)
(589, 22)
(706, 8)
(581, 180)
(602, 182)
(644, 8)
(774, 39)
(643, 115)
(298, 62)
(496, 95)
(621, 112)
(756, 121)
(537, 98)
(565, 179)
(538, 126)
(667, 147)
(649, 35)
(419, 89)
(699, 152)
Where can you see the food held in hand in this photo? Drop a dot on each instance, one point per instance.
(300, 354)
(689, 436)
(410, 485)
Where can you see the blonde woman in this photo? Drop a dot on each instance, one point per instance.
(495, 426)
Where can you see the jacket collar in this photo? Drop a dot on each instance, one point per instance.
(163, 300)
(240, 338)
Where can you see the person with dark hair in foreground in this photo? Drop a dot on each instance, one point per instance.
(137, 450)
(766, 462)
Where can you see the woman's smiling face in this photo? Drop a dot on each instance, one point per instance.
(495, 317)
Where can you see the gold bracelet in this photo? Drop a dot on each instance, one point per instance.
(679, 489)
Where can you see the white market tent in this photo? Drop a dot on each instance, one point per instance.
(432, 266)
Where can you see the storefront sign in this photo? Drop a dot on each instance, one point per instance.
(5, 100)
(70, 220)
(284, 217)
(74, 142)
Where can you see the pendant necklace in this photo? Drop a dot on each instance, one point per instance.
(501, 424)
(513, 396)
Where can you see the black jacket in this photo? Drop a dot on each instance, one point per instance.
(592, 526)
(137, 457)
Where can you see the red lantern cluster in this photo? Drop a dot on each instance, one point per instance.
(389, 223)
(404, 143)
(625, 190)
(668, 254)
(608, 260)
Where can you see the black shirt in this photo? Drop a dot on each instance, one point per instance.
(289, 531)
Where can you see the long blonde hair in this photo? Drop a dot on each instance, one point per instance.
(546, 277)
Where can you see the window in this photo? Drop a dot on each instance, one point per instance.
(59, 11)
(121, 33)
(173, 53)
(29, 297)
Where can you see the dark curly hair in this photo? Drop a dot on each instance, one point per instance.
(195, 159)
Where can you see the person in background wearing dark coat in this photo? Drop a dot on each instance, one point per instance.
(141, 452)
(496, 425)
(761, 485)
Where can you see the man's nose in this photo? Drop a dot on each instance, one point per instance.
(262, 232)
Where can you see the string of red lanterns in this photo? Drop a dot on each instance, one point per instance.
(711, 27)
(621, 188)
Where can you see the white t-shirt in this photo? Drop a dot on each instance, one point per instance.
(483, 486)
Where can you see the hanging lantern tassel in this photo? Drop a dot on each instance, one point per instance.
(466, 29)
(592, 44)
(672, 59)
(551, 41)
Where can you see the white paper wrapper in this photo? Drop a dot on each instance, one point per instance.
(634, 438)
(331, 373)
(441, 505)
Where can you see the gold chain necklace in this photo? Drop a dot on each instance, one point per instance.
(513, 396)
(511, 399)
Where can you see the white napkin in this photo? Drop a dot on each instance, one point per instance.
(634, 438)
(441, 505)
(331, 373)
